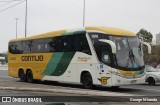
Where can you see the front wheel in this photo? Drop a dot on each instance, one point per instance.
(87, 81)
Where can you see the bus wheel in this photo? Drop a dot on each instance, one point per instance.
(22, 75)
(29, 76)
(87, 80)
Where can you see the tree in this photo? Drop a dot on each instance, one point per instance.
(147, 36)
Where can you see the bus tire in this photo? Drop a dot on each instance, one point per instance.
(22, 75)
(87, 80)
(29, 76)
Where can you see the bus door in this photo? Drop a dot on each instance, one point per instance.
(105, 69)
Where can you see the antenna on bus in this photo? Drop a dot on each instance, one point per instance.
(84, 5)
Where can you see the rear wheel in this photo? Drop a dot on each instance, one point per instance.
(29, 76)
(22, 76)
(87, 80)
(151, 81)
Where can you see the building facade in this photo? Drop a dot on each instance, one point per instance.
(158, 39)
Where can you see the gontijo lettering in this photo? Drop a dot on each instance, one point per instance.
(32, 58)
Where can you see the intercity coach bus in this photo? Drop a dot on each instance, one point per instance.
(89, 56)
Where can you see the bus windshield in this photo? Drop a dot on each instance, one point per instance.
(129, 53)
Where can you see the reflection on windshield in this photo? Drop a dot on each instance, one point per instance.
(122, 54)
(128, 53)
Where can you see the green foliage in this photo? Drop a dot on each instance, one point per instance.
(150, 59)
(147, 36)
(154, 58)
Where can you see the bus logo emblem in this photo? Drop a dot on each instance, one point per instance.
(104, 80)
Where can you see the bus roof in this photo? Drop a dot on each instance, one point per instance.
(107, 30)
(48, 34)
(111, 31)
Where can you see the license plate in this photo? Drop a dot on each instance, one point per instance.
(133, 81)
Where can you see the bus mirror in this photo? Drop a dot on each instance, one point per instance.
(112, 44)
(149, 47)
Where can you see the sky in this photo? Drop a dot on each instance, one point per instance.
(49, 15)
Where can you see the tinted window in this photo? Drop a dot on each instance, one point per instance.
(37, 46)
(59, 44)
(67, 44)
(18, 47)
(27, 45)
(95, 39)
(49, 45)
(80, 43)
(11, 47)
(70, 43)
(77, 44)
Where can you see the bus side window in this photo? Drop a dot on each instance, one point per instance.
(18, 47)
(67, 42)
(59, 44)
(80, 44)
(48, 45)
(27, 45)
(85, 45)
(37, 46)
(77, 43)
(11, 47)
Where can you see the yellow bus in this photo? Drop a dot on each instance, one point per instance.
(89, 56)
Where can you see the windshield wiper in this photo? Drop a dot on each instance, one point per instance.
(133, 58)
